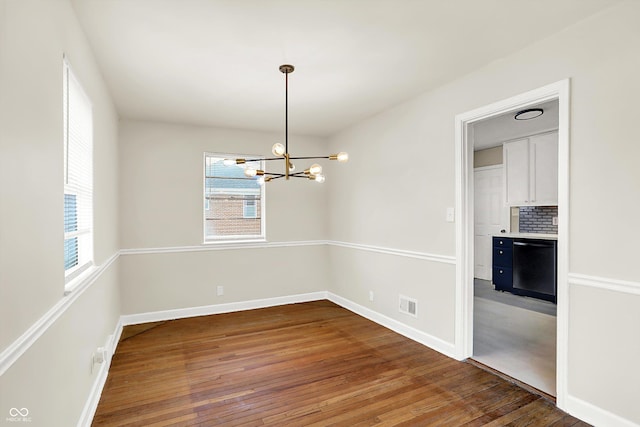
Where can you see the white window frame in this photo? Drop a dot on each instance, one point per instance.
(78, 169)
(233, 238)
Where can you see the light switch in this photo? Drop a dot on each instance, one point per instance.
(450, 214)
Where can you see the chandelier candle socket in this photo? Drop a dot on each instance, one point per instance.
(314, 172)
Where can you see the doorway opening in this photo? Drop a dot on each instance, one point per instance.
(466, 271)
(514, 334)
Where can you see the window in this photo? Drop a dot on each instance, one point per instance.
(249, 208)
(78, 176)
(233, 203)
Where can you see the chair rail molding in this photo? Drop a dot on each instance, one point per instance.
(16, 349)
(624, 286)
(226, 246)
(447, 259)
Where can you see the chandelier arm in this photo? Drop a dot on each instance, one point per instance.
(260, 160)
(226, 177)
(279, 175)
(309, 157)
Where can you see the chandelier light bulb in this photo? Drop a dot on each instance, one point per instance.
(277, 149)
(292, 167)
(250, 172)
(261, 180)
(229, 162)
(320, 178)
(315, 169)
(342, 157)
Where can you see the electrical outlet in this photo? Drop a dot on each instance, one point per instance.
(99, 357)
(554, 220)
(370, 295)
(220, 291)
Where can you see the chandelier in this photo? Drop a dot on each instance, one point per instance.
(314, 172)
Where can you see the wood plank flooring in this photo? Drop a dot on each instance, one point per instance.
(311, 364)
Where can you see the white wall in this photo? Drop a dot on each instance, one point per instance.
(161, 199)
(401, 180)
(53, 377)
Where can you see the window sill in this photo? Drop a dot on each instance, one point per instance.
(80, 280)
(234, 241)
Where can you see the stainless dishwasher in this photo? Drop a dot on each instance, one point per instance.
(535, 268)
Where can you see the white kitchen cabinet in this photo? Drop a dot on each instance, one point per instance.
(531, 171)
(517, 172)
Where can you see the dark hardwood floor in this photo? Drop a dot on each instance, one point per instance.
(311, 364)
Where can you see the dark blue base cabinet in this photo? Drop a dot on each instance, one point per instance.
(525, 267)
(503, 264)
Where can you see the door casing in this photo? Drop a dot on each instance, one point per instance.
(465, 225)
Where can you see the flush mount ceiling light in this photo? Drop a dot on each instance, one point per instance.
(314, 172)
(528, 114)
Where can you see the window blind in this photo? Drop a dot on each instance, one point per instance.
(78, 176)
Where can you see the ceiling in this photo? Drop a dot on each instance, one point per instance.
(215, 62)
(494, 131)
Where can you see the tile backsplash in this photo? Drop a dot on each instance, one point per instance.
(538, 219)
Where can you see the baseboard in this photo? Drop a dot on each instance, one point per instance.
(181, 313)
(91, 404)
(446, 348)
(595, 415)
(437, 344)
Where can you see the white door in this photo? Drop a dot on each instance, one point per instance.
(490, 216)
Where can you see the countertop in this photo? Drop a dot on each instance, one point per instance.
(528, 236)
